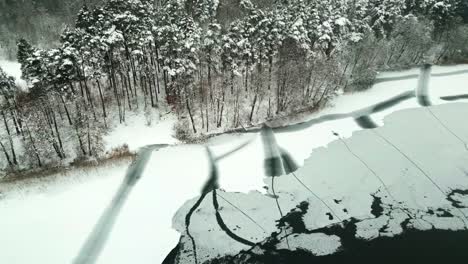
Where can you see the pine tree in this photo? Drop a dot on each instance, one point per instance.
(8, 91)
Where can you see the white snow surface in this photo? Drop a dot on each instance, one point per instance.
(48, 220)
(137, 132)
(13, 69)
(319, 244)
(143, 232)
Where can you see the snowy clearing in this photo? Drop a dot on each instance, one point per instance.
(137, 132)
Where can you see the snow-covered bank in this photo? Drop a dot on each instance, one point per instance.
(142, 126)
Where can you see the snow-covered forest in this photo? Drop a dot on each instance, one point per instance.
(216, 64)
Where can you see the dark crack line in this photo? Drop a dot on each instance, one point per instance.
(277, 204)
(210, 185)
(414, 216)
(224, 227)
(410, 160)
(187, 224)
(376, 175)
(316, 196)
(408, 213)
(423, 98)
(418, 167)
(276, 196)
(409, 217)
(389, 208)
(346, 230)
(242, 212)
(447, 128)
(368, 168)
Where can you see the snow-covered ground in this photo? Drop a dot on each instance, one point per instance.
(52, 219)
(138, 132)
(143, 232)
(46, 220)
(13, 68)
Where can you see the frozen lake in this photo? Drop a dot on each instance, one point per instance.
(373, 165)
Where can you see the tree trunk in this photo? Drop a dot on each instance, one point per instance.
(80, 141)
(66, 110)
(253, 108)
(15, 161)
(6, 154)
(103, 105)
(190, 114)
(39, 163)
(58, 134)
(114, 85)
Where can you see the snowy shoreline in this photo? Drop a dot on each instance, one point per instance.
(384, 79)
